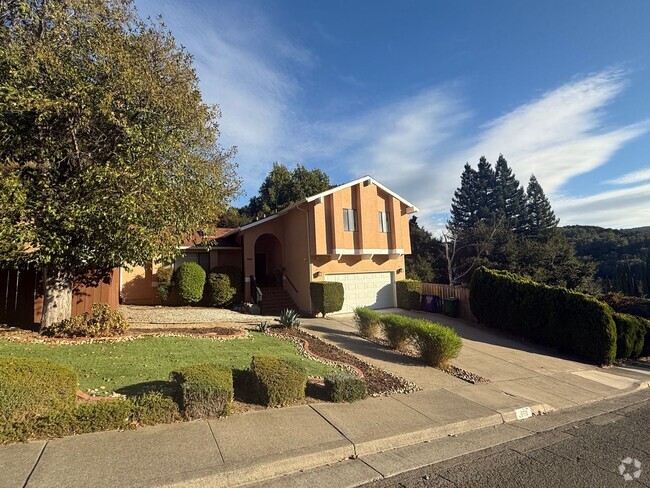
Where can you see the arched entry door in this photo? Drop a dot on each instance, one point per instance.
(268, 260)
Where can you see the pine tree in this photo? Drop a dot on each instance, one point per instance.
(510, 198)
(540, 216)
(464, 206)
(485, 192)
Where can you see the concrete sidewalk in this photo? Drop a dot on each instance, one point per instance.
(382, 434)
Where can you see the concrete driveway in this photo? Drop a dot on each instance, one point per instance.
(516, 369)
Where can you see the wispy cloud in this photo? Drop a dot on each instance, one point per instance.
(557, 136)
(618, 208)
(634, 177)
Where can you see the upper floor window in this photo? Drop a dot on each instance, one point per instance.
(384, 221)
(349, 219)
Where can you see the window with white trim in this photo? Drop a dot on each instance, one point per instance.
(350, 219)
(384, 222)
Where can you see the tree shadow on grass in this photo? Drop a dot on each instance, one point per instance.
(167, 388)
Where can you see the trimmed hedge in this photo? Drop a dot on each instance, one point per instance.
(31, 388)
(409, 294)
(396, 330)
(164, 278)
(236, 276)
(277, 381)
(436, 344)
(367, 320)
(189, 280)
(553, 316)
(326, 296)
(630, 335)
(154, 408)
(218, 290)
(206, 390)
(102, 321)
(345, 387)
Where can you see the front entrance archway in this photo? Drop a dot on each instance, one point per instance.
(268, 260)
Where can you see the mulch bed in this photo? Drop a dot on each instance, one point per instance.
(378, 381)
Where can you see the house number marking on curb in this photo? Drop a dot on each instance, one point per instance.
(523, 413)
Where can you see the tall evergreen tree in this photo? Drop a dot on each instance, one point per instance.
(485, 191)
(510, 198)
(464, 206)
(540, 216)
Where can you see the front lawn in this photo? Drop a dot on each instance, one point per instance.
(133, 366)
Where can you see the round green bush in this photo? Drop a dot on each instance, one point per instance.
(367, 321)
(164, 287)
(218, 290)
(190, 281)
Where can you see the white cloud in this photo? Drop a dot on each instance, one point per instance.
(634, 177)
(617, 208)
(558, 136)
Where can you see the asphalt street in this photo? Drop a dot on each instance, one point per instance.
(598, 452)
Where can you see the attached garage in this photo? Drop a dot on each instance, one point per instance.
(374, 290)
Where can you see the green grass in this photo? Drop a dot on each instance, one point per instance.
(135, 366)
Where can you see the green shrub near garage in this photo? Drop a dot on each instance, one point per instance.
(396, 330)
(345, 387)
(205, 390)
(437, 344)
(189, 281)
(326, 296)
(164, 277)
(278, 382)
(368, 321)
(409, 294)
(554, 316)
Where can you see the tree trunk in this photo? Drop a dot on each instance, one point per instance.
(57, 297)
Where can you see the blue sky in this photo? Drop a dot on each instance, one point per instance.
(409, 91)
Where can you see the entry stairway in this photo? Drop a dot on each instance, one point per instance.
(275, 299)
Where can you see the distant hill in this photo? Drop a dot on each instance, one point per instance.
(622, 256)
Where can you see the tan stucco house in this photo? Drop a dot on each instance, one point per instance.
(356, 233)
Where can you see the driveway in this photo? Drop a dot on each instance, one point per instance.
(516, 369)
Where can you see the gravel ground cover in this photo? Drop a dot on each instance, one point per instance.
(142, 314)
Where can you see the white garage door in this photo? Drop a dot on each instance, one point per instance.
(374, 290)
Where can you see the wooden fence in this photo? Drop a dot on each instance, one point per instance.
(21, 297)
(448, 291)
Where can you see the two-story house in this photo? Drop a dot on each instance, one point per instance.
(356, 233)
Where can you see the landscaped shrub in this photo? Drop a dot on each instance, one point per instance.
(154, 408)
(189, 280)
(164, 279)
(625, 304)
(436, 344)
(396, 329)
(630, 335)
(409, 294)
(236, 280)
(345, 387)
(29, 388)
(102, 321)
(218, 290)
(206, 390)
(277, 381)
(326, 296)
(367, 321)
(554, 316)
(290, 318)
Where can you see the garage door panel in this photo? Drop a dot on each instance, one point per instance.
(374, 290)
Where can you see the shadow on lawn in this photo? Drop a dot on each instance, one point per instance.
(165, 387)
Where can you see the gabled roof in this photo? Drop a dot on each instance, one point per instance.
(329, 192)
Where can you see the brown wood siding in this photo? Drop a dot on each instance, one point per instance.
(21, 299)
(447, 291)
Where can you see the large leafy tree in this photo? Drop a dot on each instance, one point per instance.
(282, 187)
(108, 154)
(425, 263)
